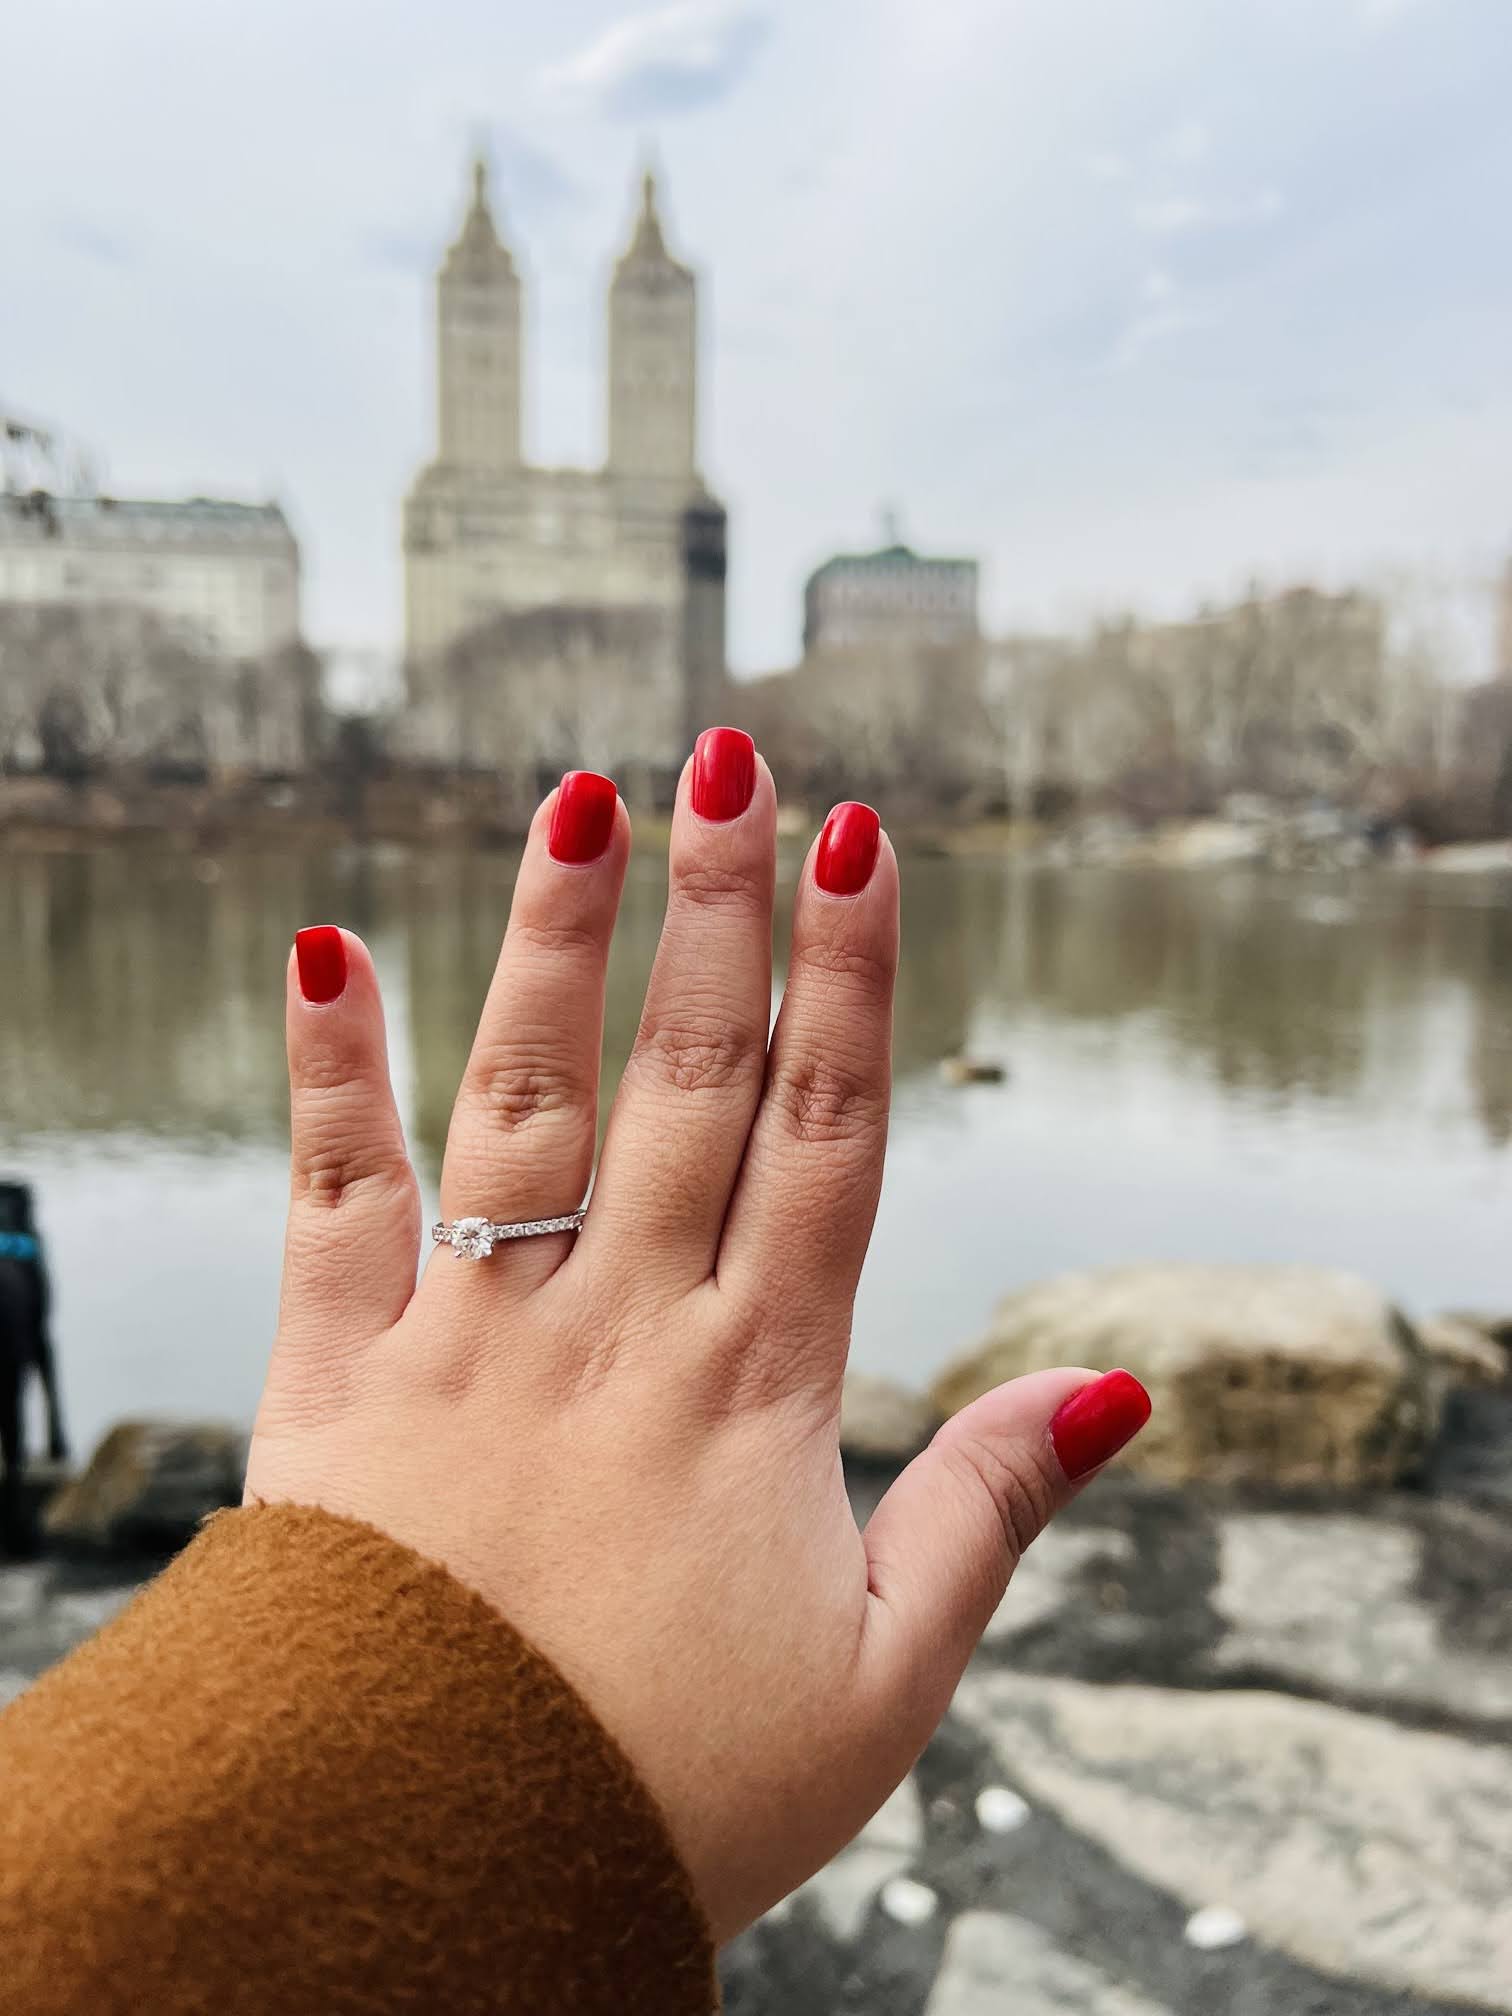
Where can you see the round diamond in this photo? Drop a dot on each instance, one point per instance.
(472, 1238)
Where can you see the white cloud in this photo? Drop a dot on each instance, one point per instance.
(673, 59)
(1381, 13)
(1108, 168)
(1169, 216)
(1165, 216)
(1185, 144)
(1156, 324)
(1165, 310)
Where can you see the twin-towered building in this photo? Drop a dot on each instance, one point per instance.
(553, 616)
(562, 614)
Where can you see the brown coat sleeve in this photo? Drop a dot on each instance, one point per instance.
(306, 1771)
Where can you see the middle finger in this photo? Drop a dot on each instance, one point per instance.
(685, 1104)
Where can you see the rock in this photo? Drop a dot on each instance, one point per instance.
(843, 1891)
(1331, 1601)
(907, 1902)
(22, 1591)
(1361, 1848)
(898, 1823)
(1207, 843)
(1470, 857)
(1272, 1375)
(1213, 1928)
(80, 1613)
(1000, 1810)
(148, 1486)
(972, 1071)
(881, 1422)
(47, 1607)
(1495, 1325)
(1465, 1351)
(996, 1965)
(1048, 1576)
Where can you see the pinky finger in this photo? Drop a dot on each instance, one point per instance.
(354, 1207)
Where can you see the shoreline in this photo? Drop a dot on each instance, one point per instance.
(415, 816)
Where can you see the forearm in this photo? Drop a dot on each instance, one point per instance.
(308, 1771)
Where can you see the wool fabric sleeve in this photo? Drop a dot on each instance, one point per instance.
(307, 1771)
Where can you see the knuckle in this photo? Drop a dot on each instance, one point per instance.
(698, 1053)
(856, 967)
(342, 1172)
(324, 1069)
(743, 1373)
(516, 1087)
(1019, 1487)
(554, 938)
(821, 1100)
(708, 886)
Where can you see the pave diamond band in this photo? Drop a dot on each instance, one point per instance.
(475, 1238)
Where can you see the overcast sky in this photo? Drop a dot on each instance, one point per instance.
(1132, 298)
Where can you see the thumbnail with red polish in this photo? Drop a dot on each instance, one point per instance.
(320, 954)
(847, 850)
(724, 773)
(582, 819)
(1095, 1423)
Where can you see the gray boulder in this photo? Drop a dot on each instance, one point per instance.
(1292, 1376)
(148, 1486)
(1468, 1350)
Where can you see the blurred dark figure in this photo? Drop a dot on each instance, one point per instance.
(25, 1346)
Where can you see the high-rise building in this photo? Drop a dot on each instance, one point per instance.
(893, 596)
(222, 578)
(633, 549)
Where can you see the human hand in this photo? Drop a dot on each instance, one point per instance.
(627, 1442)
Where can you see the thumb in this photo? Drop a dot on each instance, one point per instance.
(947, 1536)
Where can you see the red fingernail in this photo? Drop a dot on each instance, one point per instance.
(320, 955)
(1096, 1423)
(724, 773)
(582, 818)
(848, 850)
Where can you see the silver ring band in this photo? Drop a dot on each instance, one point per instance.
(475, 1238)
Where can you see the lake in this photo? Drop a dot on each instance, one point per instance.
(1220, 1064)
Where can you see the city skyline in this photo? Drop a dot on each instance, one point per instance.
(1220, 299)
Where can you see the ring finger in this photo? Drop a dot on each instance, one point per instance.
(522, 1132)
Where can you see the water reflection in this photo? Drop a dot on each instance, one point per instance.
(1226, 1064)
(144, 986)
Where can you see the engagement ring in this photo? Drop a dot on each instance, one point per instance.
(475, 1238)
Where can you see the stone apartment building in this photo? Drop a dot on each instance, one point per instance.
(888, 598)
(558, 616)
(150, 633)
(222, 578)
